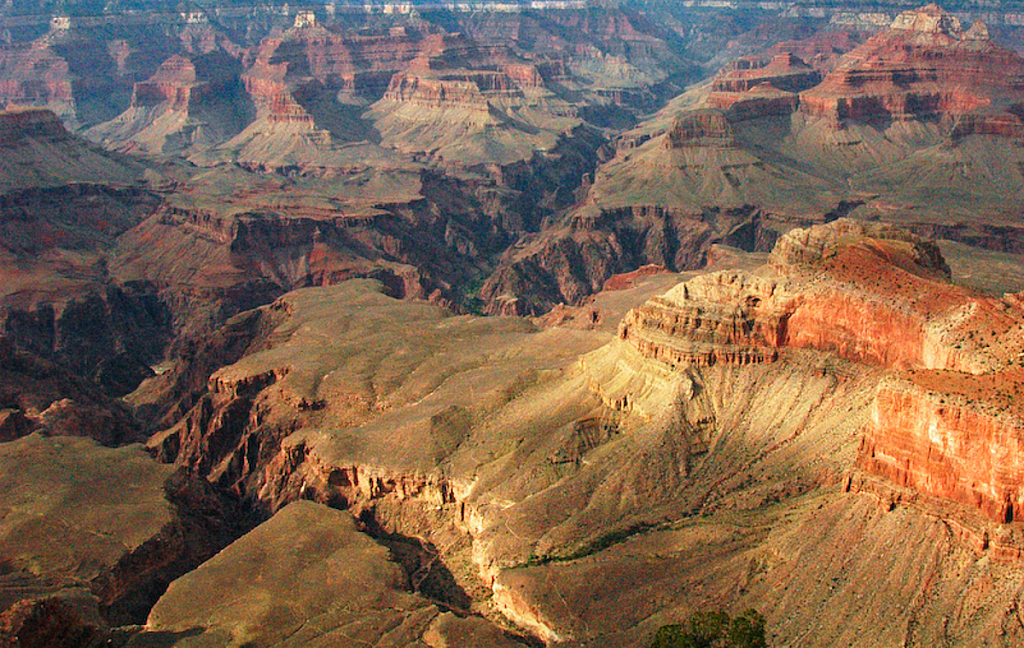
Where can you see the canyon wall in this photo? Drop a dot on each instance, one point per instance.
(948, 428)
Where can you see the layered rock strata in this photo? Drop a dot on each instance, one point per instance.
(950, 427)
(925, 67)
(189, 104)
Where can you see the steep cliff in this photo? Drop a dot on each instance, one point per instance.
(949, 427)
(62, 208)
(925, 67)
(188, 105)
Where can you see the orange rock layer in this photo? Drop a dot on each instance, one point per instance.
(948, 445)
(925, 66)
(950, 427)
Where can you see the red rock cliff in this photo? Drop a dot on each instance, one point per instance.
(925, 66)
(941, 434)
(948, 420)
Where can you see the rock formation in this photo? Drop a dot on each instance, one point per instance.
(925, 67)
(917, 126)
(783, 71)
(832, 438)
(36, 76)
(320, 548)
(531, 472)
(127, 527)
(62, 207)
(39, 152)
(188, 105)
(948, 427)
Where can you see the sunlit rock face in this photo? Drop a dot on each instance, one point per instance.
(947, 425)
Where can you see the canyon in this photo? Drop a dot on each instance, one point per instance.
(510, 325)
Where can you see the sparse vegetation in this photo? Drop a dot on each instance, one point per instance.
(714, 630)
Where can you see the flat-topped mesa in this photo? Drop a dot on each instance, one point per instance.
(703, 127)
(180, 84)
(867, 292)
(947, 418)
(763, 100)
(30, 123)
(440, 91)
(784, 71)
(174, 82)
(925, 67)
(813, 245)
(754, 87)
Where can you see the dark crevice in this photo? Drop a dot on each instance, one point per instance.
(425, 572)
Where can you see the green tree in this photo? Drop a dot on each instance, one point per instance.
(714, 630)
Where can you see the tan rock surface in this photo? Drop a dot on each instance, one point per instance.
(307, 577)
(105, 502)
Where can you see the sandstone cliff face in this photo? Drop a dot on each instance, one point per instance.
(700, 128)
(876, 296)
(783, 71)
(35, 75)
(189, 104)
(925, 66)
(936, 436)
(449, 90)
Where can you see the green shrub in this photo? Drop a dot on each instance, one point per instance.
(714, 630)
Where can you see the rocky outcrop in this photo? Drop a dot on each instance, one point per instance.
(568, 264)
(925, 66)
(34, 75)
(16, 126)
(39, 152)
(784, 71)
(189, 104)
(448, 90)
(949, 427)
(728, 318)
(174, 82)
(952, 436)
(128, 526)
(868, 292)
(700, 128)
